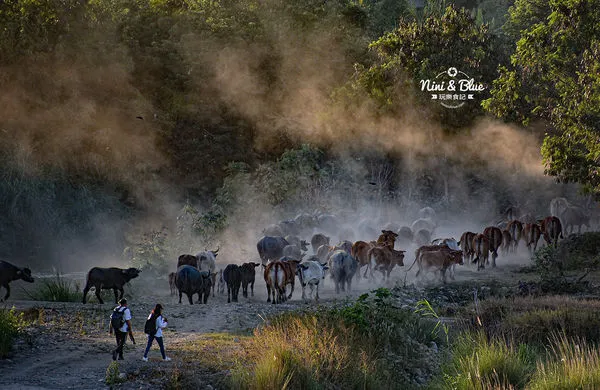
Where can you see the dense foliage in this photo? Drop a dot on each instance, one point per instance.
(554, 76)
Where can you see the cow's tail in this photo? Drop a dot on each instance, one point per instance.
(417, 254)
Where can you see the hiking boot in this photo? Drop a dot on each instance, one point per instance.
(114, 355)
(167, 359)
(145, 359)
(121, 358)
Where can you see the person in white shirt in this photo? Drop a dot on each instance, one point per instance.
(160, 323)
(121, 333)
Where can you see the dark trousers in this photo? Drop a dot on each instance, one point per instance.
(159, 340)
(121, 338)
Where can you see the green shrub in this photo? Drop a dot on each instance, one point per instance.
(56, 289)
(113, 376)
(481, 363)
(575, 364)
(368, 344)
(11, 324)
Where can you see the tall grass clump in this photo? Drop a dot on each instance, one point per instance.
(479, 363)
(56, 289)
(574, 364)
(11, 324)
(369, 344)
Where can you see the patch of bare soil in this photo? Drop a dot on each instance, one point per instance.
(69, 346)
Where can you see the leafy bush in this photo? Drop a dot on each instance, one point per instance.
(11, 324)
(113, 376)
(151, 253)
(56, 290)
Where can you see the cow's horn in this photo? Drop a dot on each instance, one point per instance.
(215, 251)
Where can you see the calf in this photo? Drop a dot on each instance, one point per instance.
(310, 273)
(438, 260)
(248, 271)
(172, 285)
(108, 278)
(233, 279)
(494, 236)
(10, 272)
(384, 258)
(342, 267)
(481, 249)
(190, 280)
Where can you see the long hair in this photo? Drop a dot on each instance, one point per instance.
(157, 311)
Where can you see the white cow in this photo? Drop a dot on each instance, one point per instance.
(310, 273)
(207, 261)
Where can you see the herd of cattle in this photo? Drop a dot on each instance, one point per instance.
(283, 255)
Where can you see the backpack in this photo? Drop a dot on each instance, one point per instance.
(150, 326)
(116, 318)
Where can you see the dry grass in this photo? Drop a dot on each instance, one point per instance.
(575, 364)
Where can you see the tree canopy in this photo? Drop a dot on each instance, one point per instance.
(554, 76)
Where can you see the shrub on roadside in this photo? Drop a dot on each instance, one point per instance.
(481, 363)
(369, 344)
(575, 364)
(11, 324)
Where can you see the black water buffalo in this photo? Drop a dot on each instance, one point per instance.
(248, 272)
(9, 272)
(271, 248)
(192, 281)
(108, 278)
(233, 279)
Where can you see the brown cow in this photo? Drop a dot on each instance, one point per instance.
(481, 248)
(360, 250)
(438, 260)
(466, 244)
(172, 284)
(494, 236)
(187, 260)
(515, 228)
(506, 241)
(385, 259)
(551, 229)
(278, 274)
(387, 238)
(531, 236)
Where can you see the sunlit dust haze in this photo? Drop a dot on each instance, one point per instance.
(85, 112)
